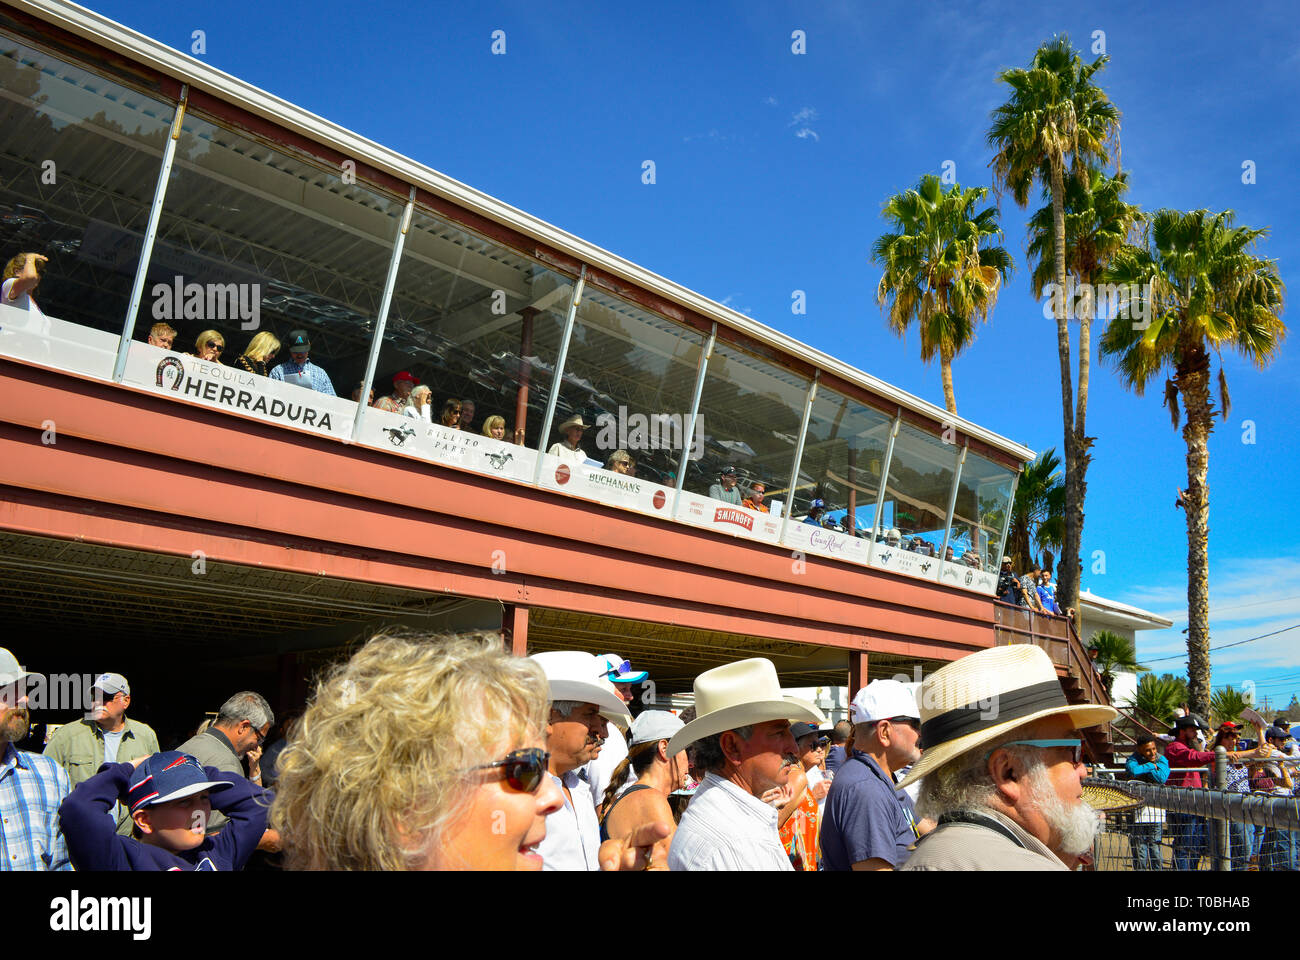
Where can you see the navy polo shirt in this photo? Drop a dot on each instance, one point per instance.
(865, 817)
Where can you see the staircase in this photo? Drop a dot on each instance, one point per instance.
(1079, 680)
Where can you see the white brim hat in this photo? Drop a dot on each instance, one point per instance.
(977, 699)
(737, 695)
(10, 670)
(574, 675)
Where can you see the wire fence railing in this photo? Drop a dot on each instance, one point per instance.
(1193, 828)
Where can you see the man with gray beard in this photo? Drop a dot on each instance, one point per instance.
(31, 786)
(1002, 771)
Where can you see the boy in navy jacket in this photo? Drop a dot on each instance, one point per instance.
(170, 798)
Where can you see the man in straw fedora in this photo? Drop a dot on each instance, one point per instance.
(583, 701)
(741, 734)
(570, 448)
(1002, 767)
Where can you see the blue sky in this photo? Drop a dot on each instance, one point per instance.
(771, 168)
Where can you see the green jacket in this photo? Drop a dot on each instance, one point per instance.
(79, 749)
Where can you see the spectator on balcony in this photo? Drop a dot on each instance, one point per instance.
(299, 370)
(467, 414)
(209, 345)
(725, 489)
(756, 499)
(261, 350)
(869, 825)
(162, 335)
(893, 538)
(620, 461)
(21, 277)
(816, 512)
(972, 559)
(403, 383)
(1008, 589)
(570, 449)
(1005, 785)
(1189, 831)
(1047, 595)
(1029, 588)
(1146, 764)
(450, 416)
(356, 394)
(419, 404)
(495, 427)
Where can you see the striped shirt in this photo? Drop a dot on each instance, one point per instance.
(727, 828)
(31, 789)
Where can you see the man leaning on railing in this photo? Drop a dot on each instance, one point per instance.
(1147, 765)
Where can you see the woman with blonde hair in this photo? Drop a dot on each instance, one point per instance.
(259, 353)
(495, 427)
(22, 275)
(423, 752)
(208, 346)
(419, 404)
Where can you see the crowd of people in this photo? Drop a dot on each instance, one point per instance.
(1259, 770)
(445, 752)
(1034, 589)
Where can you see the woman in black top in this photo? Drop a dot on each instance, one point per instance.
(259, 353)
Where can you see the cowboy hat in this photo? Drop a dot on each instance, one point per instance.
(977, 699)
(574, 675)
(573, 421)
(737, 695)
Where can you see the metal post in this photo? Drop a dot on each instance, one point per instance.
(687, 438)
(381, 322)
(952, 502)
(798, 454)
(1222, 832)
(525, 374)
(151, 231)
(1006, 522)
(559, 371)
(884, 482)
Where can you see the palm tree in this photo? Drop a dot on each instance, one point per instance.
(1114, 652)
(1203, 290)
(1038, 514)
(941, 269)
(1056, 115)
(1159, 696)
(1227, 704)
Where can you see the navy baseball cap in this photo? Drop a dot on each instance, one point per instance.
(166, 776)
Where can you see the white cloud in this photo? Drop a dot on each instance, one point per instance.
(805, 115)
(770, 101)
(805, 133)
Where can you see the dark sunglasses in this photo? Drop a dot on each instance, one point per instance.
(524, 768)
(214, 345)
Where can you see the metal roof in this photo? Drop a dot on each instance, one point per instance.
(201, 76)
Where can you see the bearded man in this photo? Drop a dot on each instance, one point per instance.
(31, 786)
(1002, 771)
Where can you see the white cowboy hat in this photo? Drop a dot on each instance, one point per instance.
(737, 695)
(10, 671)
(978, 698)
(578, 676)
(573, 421)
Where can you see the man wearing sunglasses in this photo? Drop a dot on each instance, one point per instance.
(582, 702)
(868, 825)
(1002, 768)
(241, 726)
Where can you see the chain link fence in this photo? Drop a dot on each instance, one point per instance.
(1191, 828)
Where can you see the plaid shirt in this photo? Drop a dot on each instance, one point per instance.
(31, 789)
(320, 381)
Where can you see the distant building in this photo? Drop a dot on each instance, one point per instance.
(1097, 613)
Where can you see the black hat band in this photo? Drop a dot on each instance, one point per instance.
(1010, 705)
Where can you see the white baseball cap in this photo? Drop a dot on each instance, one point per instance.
(883, 699)
(651, 725)
(10, 671)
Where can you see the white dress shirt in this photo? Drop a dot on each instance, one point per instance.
(599, 771)
(727, 828)
(568, 454)
(572, 832)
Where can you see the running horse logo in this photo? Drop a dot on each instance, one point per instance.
(398, 435)
(499, 460)
(170, 363)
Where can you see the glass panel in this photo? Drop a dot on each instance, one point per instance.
(631, 375)
(915, 508)
(270, 243)
(480, 327)
(79, 161)
(842, 460)
(980, 512)
(751, 412)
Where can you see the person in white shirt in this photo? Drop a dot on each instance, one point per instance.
(22, 274)
(597, 773)
(581, 702)
(742, 738)
(571, 449)
(419, 404)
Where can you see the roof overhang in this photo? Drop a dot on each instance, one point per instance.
(1100, 611)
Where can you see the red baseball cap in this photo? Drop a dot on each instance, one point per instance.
(406, 375)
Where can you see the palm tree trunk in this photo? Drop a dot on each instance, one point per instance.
(1194, 385)
(1076, 477)
(945, 371)
(1068, 567)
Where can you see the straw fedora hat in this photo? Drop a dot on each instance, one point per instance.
(737, 695)
(978, 698)
(578, 676)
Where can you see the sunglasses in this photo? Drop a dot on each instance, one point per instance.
(214, 345)
(524, 768)
(616, 669)
(1075, 746)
